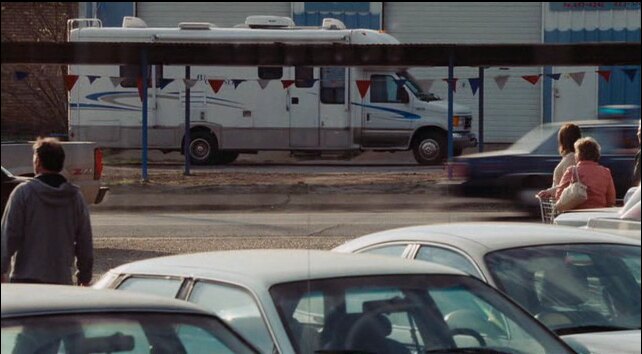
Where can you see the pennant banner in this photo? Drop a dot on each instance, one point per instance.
(363, 86)
(263, 83)
(401, 83)
(92, 78)
(605, 74)
(116, 81)
(21, 75)
(630, 73)
(216, 85)
(452, 83)
(554, 76)
(474, 85)
(287, 83)
(139, 84)
(70, 81)
(501, 81)
(533, 79)
(425, 84)
(236, 83)
(577, 77)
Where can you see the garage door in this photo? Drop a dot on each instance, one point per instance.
(510, 112)
(222, 14)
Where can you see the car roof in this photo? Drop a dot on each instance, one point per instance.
(19, 300)
(487, 237)
(599, 122)
(263, 268)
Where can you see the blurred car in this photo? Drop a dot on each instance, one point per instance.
(526, 167)
(304, 301)
(9, 183)
(66, 319)
(577, 282)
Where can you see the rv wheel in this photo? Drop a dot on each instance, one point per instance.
(429, 148)
(202, 148)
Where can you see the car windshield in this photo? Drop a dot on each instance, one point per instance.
(414, 86)
(534, 139)
(404, 314)
(122, 333)
(573, 288)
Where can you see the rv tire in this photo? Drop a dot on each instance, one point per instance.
(202, 148)
(429, 148)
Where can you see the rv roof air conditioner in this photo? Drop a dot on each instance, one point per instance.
(332, 24)
(269, 22)
(200, 26)
(133, 22)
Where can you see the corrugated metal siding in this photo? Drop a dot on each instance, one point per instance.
(509, 113)
(222, 14)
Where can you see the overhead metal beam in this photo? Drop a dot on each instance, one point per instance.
(278, 54)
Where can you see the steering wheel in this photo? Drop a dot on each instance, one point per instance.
(469, 332)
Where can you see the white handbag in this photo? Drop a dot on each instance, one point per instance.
(573, 195)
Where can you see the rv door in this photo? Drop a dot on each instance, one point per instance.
(387, 118)
(303, 104)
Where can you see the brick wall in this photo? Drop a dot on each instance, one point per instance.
(36, 105)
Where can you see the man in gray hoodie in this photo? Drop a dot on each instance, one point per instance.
(46, 225)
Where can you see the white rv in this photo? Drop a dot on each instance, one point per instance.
(321, 112)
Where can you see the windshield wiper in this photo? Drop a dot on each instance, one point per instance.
(589, 329)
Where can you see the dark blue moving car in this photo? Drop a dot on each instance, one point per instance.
(520, 171)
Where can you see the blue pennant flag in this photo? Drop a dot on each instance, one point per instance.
(92, 78)
(554, 76)
(21, 75)
(630, 73)
(401, 83)
(165, 82)
(237, 82)
(474, 85)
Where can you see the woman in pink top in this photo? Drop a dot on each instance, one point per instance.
(598, 180)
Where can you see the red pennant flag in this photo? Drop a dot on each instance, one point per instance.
(533, 79)
(363, 86)
(287, 83)
(452, 83)
(605, 74)
(139, 84)
(216, 85)
(70, 81)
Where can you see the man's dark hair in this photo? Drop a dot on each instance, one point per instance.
(567, 136)
(50, 153)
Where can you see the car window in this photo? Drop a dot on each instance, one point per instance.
(390, 250)
(568, 287)
(119, 333)
(385, 89)
(614, 140)
(448, 258)
(333, 85)
(236, 307)
(154, 286)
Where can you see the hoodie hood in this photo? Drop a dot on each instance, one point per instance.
(62, 195)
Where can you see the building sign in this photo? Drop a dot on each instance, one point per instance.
(593, 6)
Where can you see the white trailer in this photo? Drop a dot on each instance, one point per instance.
(321, 112)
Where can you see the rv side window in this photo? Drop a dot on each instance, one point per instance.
(333, 85)
(304, 76)
(385, 89)
(131, 73)
(270, 73)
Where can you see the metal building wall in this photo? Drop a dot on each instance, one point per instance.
(509, 113)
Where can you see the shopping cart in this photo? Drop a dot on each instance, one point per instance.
(547, 209)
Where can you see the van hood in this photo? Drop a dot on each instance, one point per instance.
(442, 107)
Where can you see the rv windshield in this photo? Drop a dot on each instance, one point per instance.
(415, 87)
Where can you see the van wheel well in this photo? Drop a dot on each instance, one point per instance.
(429, 145)
(194, 130)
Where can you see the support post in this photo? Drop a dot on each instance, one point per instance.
(187, 135)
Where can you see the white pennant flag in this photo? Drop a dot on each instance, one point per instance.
(501, 81)
(577, 77)
(425, 84)
(263, 83)
(189, 83)
(116, 80)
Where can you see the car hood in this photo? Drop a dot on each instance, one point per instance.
(622, 342)
(442, 106)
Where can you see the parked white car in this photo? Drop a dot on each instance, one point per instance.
(68, 319)
(301, 301)
(579, 283)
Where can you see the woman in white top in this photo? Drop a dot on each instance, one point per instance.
(566, 137)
